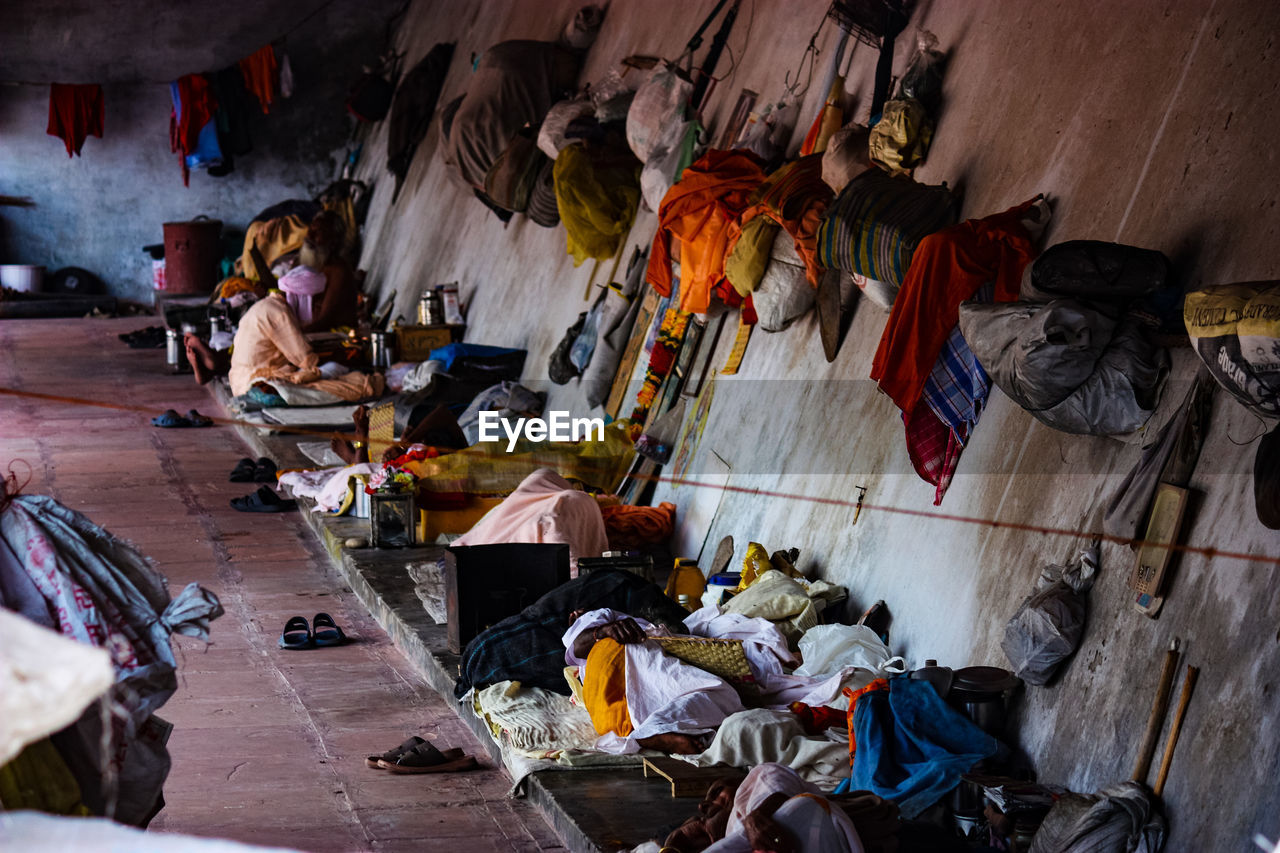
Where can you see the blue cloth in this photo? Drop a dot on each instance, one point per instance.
(208, 152)
(957, 388)
(912, 747)
(449, 353)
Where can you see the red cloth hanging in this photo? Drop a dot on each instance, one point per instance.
(75, 113)
(947, 268)
(194, 108)
(260, 72)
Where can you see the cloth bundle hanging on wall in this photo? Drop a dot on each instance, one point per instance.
(75, 113)
(413, 107)
(698, 213)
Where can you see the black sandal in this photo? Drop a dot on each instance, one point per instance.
(263, 500)
(244, 471)
(264, 470)
(297, 635)
(327, 632)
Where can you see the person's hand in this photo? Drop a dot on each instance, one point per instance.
(625, 631)
(764, 834)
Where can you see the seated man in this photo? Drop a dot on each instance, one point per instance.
(638, 696)
(338, 303)
(270, 350)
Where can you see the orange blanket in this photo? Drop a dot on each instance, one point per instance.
(698, 214)
(947, 268)
(604, 688)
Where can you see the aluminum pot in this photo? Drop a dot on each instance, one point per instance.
(382, 349)
(431, 309)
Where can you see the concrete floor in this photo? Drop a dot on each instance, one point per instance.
(268, 746)
(1148, 123)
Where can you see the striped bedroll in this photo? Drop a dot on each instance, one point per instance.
(875, 224)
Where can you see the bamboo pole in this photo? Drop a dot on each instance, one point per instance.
(1188, 686)
(1158, 709)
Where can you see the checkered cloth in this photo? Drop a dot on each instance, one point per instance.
(954, 394)
(957, 387)
(933, 448)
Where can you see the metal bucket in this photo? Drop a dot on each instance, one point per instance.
(191, 255)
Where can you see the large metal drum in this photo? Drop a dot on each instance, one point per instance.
(191, 256)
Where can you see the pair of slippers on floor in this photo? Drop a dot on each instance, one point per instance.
(322, 631)
(418, 755)
(263, 500)
(249, 471)
(170, 419)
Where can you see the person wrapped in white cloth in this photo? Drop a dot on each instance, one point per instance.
(638, 696)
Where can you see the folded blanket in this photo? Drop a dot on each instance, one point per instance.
(535, 720)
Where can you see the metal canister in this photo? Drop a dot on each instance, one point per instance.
(382, 349)
(430, 309)
(175, 352)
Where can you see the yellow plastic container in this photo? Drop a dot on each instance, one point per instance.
(686, 579)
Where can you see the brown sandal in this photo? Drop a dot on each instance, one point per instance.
(425, 758)
(392, 754)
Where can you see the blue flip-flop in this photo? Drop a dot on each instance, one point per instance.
(196, 419)
(170, 419)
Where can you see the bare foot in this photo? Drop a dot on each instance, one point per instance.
(201, 358)
(346, 450)
(673, 743)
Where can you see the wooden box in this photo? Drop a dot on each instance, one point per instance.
(415, 343)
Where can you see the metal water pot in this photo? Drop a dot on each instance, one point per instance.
(431, 309)
(382, 349)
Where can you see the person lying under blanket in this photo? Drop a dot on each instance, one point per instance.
(775, 811)
(528, 647)
(638, 696)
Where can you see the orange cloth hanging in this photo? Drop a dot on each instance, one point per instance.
(697, 213)
(260, 72)
(75, 113)
(604, 688)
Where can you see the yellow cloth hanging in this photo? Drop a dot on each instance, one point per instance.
(597, 192)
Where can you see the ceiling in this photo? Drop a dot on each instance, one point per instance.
(125, 41)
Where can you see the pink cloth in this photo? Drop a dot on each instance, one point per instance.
(544, 508)
(300, 284)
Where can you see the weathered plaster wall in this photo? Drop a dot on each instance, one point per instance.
(97, 211)
(1146, 123)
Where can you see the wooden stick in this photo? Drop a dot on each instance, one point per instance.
(1187, 687)
(1158, 709)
